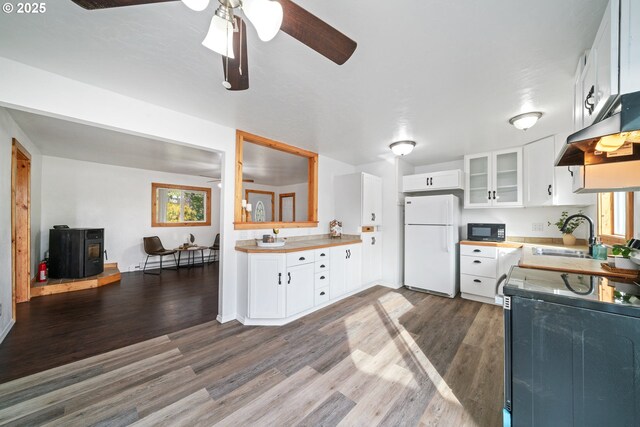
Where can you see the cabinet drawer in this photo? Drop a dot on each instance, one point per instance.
(322, 296)
(297, 258)
(322, 254)
(479, 251)
(322, 280)
(322, 266)
(476, 285)
(477, 266)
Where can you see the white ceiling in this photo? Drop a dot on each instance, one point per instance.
(447, 73)
(62, 138)
(272, 167)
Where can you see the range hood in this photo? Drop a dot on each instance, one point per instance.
(614, 139)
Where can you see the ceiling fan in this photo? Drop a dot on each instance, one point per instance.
(227, 33)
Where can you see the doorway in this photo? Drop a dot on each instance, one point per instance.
(20, 223)
(287, 207)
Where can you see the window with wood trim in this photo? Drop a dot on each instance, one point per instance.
(615, 217)
(180, 205)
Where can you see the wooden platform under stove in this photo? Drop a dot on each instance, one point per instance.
(111, 274)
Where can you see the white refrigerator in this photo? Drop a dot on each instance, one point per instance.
(431, 226)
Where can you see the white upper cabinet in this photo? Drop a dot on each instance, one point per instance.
(371, 200)
(612, 66)
(358, 201)
(494, 179)
(443, 180)
(539, 172)
(545, 184)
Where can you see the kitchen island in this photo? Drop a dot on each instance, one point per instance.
(572, 348)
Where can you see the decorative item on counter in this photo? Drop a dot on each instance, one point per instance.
(335, 229)
(599, 251)
(248, 209)
(192, 239)
(623, 255)
(276, 231)
(568, 238)
(268, 238)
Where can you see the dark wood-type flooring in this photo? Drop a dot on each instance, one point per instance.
(381, 357)
(58, 329)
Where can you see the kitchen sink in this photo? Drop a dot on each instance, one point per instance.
(560, 252)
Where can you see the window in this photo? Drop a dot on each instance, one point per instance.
(615, 217)
(180, 206)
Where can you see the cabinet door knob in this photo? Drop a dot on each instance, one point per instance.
(549, 189)
(489, 195)
(477, 280)
(494, 195)
(322, 293)
(477, 250)
(322, 266)
(322, 277)
(589, 103)
(373, 240)
(477, 262)
(279, 278)
(301, 258)
(322, 254)
(430, 181)
(373, 217)
(289, 281)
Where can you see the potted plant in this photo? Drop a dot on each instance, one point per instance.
(568, 238)
(623, 257)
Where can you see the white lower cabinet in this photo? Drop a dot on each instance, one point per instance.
(266, 286)
(480, 269)
(300, 288)
(280, 286)
(371, 258)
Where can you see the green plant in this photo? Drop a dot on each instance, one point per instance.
(573, 224)
(623, 250)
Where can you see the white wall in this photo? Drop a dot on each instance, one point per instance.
(118, 199)
(9, 130)
(38, 91)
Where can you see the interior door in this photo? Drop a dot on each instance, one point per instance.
(430, 258)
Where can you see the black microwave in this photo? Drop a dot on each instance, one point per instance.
(486, 232)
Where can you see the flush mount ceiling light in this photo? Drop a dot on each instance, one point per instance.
(227, 35)
(526, 120)
(401, 148)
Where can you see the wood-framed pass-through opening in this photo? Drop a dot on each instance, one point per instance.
(243, 219)
(20, 224)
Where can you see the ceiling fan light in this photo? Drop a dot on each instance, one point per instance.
(220, 37)
(265, 15)
(197, 5)
(402, 148)
(526, 120)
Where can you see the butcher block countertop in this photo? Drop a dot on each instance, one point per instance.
(552, 263)
(300, 245)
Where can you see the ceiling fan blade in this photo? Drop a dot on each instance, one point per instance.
(238, 68)
(315, 33)
(105, 4)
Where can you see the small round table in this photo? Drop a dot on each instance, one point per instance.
(191, 255)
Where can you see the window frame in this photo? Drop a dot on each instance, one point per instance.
(606, 215)
(154, 206)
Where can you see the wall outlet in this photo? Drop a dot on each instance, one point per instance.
(537, 226)
(134, 267)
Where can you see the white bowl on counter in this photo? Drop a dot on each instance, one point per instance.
(277, 244)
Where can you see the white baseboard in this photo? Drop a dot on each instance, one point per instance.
(227, 318)
(283, 321)
(389, 285)
(6, 330)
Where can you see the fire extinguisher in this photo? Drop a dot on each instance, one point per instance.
(42, 271)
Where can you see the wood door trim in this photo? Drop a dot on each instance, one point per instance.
(20, 154)
(312, 212)
(282, 196)
(273, 200)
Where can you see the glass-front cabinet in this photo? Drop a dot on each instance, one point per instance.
(494, 179)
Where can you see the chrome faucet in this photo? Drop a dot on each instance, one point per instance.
(592, 229)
